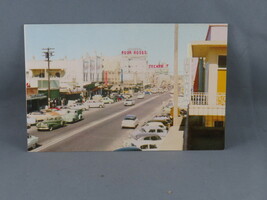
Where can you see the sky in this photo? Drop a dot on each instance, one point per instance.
(75, 40)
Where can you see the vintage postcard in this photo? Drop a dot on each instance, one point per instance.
(125, 87)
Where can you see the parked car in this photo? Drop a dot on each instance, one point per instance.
(148, 93)
(107, 100)
(129, 121)
(80, 106)
(71, 115)
(150, 130)
(97, 97)
(38, 115)
(129, 102)
(50, 123)
(95, 104)
(165, 122)
(155, 124)
(32, 141)
(145, 141)
(31, 120)
(140, 96)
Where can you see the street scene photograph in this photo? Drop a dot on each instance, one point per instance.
(125, 87)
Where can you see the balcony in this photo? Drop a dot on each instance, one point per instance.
(201, 98)
(200, 105)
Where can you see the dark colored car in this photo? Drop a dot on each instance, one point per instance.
(128, 149)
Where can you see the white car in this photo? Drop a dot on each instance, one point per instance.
(129, 121)
(32, 141)
(107, 100)
(80, 106)
(97, 97)
(129, 102)
(140, 96)
(162, 132)
(38, 116)
(145, 142)
(95, 104)
(31, 120)
(155, 124)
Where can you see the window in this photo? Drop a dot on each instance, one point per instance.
(144, 147)
(155, 138)
(222, 61)
(153, 146)
(160, 130)
(152, 131)
(147, 138)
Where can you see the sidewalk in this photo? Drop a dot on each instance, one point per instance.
(174, 140)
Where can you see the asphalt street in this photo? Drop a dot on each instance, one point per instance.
(100, 130)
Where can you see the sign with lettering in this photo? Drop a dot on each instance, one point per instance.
(158, 66)
(134, 52)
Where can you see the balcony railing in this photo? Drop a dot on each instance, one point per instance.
(201, 98)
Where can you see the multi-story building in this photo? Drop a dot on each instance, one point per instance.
(209, 87)
(111, 70)
(134, 66)
(206, 113)
(66, 73)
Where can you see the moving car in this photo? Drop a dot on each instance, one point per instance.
(107, 100)
(129, 102)
(32, 141)
(140, 96)
(51, 123)
(129, 121)
(150, 130)
(95, 104)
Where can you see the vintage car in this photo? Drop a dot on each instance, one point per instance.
(50, 123)
(107, 100)
(32, 141)
(162, 132)
(80, 106)
(129, 102)
(140, 96)
(144, 141)
(38, 116)
(129, 121)
(71, 115)
(95, 104)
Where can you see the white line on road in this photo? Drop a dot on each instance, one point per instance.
(83, 128)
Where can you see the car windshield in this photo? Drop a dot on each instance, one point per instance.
(130, 117)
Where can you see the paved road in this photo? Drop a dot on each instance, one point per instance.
(101, 128)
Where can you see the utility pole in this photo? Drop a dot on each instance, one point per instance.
(175, 96)
(48, 52)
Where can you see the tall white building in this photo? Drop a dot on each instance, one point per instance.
(134, 66)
